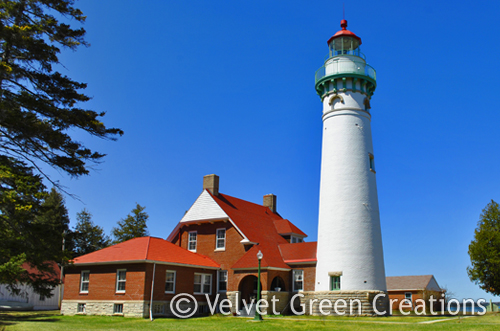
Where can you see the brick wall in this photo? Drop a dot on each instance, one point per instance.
(102, 296)
(309, 276)
(206, 235)
(102, 282)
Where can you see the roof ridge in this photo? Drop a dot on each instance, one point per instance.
(253, 203)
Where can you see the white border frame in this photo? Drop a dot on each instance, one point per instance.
(116, 285)
(202, 283)
(217, 239)
(175, 279)
(189, 241)
(293, 280)
(81, 281)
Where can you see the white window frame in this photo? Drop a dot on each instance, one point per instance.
(81, 308)
(301, 272)
(118, 281)
(219, 280)
(203, 278)
(195, 241)
(115, 305)
(84, 282)
(296, 240)
(217, 248)
(175, 278)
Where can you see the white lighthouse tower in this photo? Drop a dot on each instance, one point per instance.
(349, 254)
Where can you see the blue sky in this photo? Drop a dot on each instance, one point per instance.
(227, 87)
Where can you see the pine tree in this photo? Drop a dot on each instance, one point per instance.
(133, 226)
(39, 106)
(32, 225)
(88, 237)
(484, 250)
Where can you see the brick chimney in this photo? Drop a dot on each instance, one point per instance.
(270, 201)
(211, 183)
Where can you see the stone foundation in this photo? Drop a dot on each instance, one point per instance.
(130, 308)
(281, 304)
(93, 307)
(352, 303)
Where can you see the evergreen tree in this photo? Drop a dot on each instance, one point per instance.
(32, 223)
(88, 237)
(133, 226)
(39, 106)
(484, 250)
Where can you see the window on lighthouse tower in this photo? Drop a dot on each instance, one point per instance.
(372, 162)
(334, 283)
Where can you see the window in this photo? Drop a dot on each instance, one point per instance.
(298, 280)
(202, 284)
(159, 309)
(170, 282)
(372, 162)
(81, 308)
(408, 298)
(296, 240)
(84, 281)
(192, 241)
(334, 283)
(118, 308)
(121, 277)
(222, 281)
(221, 239)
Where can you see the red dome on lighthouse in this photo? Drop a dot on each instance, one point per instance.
(344, 33)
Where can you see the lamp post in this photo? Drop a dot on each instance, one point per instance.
(258, 316)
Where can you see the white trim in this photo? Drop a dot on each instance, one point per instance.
(203, 283)
(81, 282)
(248, 242)
(217, 239)
(263, 268)
(293, 280)
(147, 261)
(175, 278)
(195, 241)
(120, 281)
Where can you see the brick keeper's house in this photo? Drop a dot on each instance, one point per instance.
(212, 250)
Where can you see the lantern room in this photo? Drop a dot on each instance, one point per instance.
(344, 42)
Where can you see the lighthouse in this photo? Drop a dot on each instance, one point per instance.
(349, 254)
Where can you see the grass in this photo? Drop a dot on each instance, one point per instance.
(52, 320)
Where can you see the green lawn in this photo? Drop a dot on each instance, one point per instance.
(53, 321)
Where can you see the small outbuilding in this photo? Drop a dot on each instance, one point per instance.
(408, 289)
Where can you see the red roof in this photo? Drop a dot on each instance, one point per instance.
(299, 252)
(46, 275)
(146, 249)
(286, 227)
(344, 33)
(255, 221)
(261, 226)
